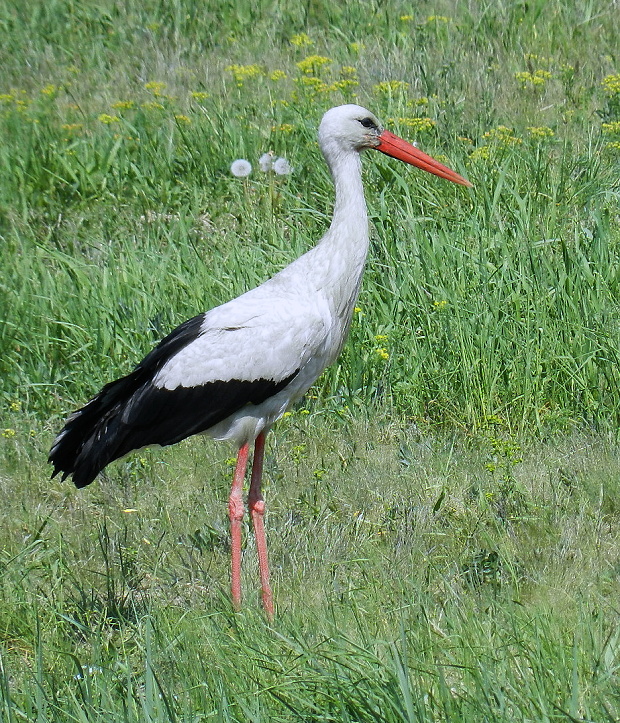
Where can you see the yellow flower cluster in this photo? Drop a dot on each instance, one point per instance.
(613, 146)
(313, 63)
(50, 90)
(482, 153)
(535, 79)
(199, 95)
(312, 83)
(343, 84)
(241, 73)
(277, 75)
(109, 119)
(612, 128)
(301, 40)
(611, 84)
(182, 118)
(502, 135)
(283, 128)
(540, 132)
(437, 19)
(155, 87)
(382, 353)
(123, 105)
(390, 87)
(420, 125)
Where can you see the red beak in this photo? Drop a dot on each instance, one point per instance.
(396, 147)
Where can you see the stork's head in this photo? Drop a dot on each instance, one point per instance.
(351, 127)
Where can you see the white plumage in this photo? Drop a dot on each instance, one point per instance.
(233, 371)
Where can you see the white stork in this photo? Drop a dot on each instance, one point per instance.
(233, 371)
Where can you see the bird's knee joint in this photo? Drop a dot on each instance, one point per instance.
(257, 506)
(235, 508)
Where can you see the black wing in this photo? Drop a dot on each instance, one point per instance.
(131, 412)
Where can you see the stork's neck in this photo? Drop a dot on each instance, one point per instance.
(348, 232)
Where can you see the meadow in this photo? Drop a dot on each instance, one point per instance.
(443, 506)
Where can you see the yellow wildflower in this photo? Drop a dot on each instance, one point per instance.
(123, 104)
(613, 146)
(440, 304)
(381, 337)
(15, 406)
(348, 71)
(199, 95)
(277, 75)
(357, 47)
(50, 90)
(437, 19)
(8, 433)
(540, 132)
(406, 18)
(313, 63)
(611, 128)
(6, 97)
(108, 119)
(419, 125)
(382, 353)
(155, 86)
(482, 153)
(502, 135)
(611, 84)
(152, 105)
(389, 87)
(283, 128)
(315, 84)
(72, 127)
(535, 79)
(183, 118)
(241, 73)
(301, 40)
(342, 85)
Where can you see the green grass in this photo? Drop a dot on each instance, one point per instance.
(443, 507)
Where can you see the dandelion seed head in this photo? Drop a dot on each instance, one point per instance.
(265, 162)
(282, 167)
(241, 168)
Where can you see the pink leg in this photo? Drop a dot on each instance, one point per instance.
(256, 505)
(235, 513)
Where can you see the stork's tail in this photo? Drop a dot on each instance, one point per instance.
(90, 438)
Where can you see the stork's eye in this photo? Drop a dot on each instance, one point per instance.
(368, 123)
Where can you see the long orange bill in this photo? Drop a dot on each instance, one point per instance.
(396, 147)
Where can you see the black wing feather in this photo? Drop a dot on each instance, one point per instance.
(131, 413)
